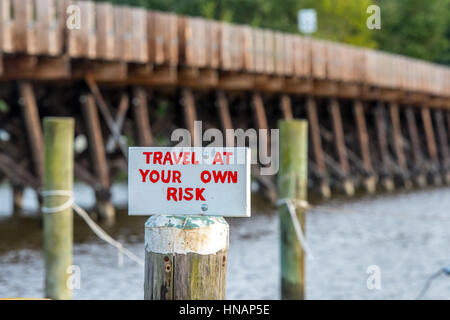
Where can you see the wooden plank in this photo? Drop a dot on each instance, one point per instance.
(247, 39)
(105, 31)
(163, 38)
(259, 53)
(141, 117)
(22, 16)
(6, 27)
(33, 128)
(318, 56)
(225, 47)
(279, 53)
(213, 43)
(43, 35)
(139, 43)
(82, 42)
(269, 52)
(289, 51)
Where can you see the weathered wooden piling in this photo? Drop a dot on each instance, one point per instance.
(185, 257)
(387, 165)
(292, 186)
(97, 150)
(397, 138)
(419, 177)
(57, 212)
(370, 178)
(17, 195)
(431, 145)
(317, 147)
(338, 131)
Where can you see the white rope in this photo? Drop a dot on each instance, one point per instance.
(292, 204)
(106, 237)
(58, 193)
(94, 227)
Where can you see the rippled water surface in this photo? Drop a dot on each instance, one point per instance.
(406, 235)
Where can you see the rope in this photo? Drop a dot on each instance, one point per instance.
(58, 193)
(92, 225)
(292, 204)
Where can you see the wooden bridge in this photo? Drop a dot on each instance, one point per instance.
(377, 120)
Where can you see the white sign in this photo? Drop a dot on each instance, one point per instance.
(189, 181)
(307, 21)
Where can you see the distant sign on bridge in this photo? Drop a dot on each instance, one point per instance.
(189, 181)
(307, 21)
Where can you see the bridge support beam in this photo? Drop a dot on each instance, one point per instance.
(370, 179)
(140, 110)
(225, 118)
(105, 207)
(443, 144)
(340, 145)
(431, 145)
(397, 138)
(420, 177)
(286, 107)
(380, 121)
(33, 128)
(314, 129)
(17, 195)
(190, 116)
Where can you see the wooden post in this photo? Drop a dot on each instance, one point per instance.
(190, 116)
(185, 258)
(431, 145)
(443, 143)
(17, 191)
(317, 146)
(340, 145)
(58, 226)
(380, 122)
(140, 108)
(370, 179)
(286, 107)
(33, 127)
(398, 144)
(292, 185)
(225, 118)
(98, 156)
(416, 150)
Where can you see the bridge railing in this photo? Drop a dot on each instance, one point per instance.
(136, 35)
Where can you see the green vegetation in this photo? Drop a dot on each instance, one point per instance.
(417, 28)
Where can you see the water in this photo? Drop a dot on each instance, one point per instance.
(406, 235)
